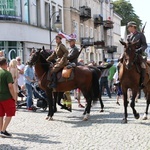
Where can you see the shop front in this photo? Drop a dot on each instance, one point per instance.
(11, 49)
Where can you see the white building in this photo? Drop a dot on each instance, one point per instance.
(148, 52)
(25, 24)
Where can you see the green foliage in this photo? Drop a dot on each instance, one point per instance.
(125, 9)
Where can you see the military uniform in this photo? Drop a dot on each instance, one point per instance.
(60, 54)
(141, 46)
(142, 40)
(73, 55)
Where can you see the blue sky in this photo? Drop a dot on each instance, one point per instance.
(142, 9)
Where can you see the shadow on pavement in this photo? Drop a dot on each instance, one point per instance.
(34, 138)
(105, 118)
(8, 146)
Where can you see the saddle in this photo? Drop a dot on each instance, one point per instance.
(66, 74)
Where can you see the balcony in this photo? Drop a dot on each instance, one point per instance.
(85, 42)
(98, 20)
(111, 49)
(108, 24)
(85, 13)
(99, 44)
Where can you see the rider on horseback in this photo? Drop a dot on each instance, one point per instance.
(141, 46)
(60, 54)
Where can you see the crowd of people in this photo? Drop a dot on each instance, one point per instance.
(17, 74)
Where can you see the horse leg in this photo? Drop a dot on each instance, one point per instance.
(147, 106)
(50, 104)
(136, 115)
(87, 110)
(101, 103)
(125, 106)
(55, 101)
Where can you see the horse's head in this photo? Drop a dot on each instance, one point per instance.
(35, 57)
(39, 57)
(129, 53)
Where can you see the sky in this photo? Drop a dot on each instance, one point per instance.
(142, 8)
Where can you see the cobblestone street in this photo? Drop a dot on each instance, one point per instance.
(103, 131)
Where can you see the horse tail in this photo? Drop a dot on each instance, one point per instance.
(95, 84)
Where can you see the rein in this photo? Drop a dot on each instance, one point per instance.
(133, 62)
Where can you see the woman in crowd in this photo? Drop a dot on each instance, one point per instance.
(14, 71)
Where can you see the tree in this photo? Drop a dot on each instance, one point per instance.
(125, 9)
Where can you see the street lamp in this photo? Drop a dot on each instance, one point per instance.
(58, 25)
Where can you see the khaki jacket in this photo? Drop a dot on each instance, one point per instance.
(60, 54)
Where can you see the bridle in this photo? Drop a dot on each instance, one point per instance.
(131, 63)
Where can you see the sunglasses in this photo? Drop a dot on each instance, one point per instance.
(18, 60)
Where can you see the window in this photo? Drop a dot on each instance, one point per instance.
(38, 16)
(53, 18)
(95, 35)
(75, 28)
(26, 11)
(75, 4)
(91, 32)
(86, 31)
(11, 49)
(46, 15)
(81, 30)
(10, 10)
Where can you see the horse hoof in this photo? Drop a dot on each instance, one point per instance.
(144, 117)
(137, 116)
(85, 119)
(124, 120)
(51, 119)
(47, 118)
(101, 110)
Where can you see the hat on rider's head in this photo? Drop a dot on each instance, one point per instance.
(131, 24)
(72, 37)
(59, 36)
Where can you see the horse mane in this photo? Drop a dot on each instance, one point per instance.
(44, 63)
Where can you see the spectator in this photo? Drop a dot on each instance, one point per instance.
(14, 72)
(20, 67)
(29, 79)
(104, 79)
(112, 71)
(1, 53)
(7, 98)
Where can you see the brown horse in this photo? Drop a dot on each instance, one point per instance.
(84, 78)
(129, 76)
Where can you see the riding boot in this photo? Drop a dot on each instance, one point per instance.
(54, 80)
(142, 78)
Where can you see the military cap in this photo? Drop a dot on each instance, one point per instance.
(59, 36)
(131, 24)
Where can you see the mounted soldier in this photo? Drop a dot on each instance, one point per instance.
(140, 48)
(73, 51)
(60, 55)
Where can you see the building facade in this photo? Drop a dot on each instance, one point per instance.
(79, 19)
(95, 22)
(30, 23)
(26, 24)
